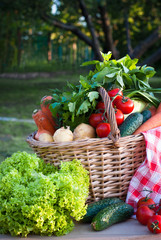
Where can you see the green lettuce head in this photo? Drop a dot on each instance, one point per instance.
(39, 198)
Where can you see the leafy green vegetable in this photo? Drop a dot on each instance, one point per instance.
(76, 105)
(39, 198)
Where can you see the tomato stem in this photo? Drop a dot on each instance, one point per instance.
(147, 196)
(117, 94)
(155, 226)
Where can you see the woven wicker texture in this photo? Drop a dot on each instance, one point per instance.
(111, 162)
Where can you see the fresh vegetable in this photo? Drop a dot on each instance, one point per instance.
(103, 129)
(45, 103)
(158, 108)
(157, 209)
(153, 110)
(145, 201)
(95, 119)
(143, 214)
(139, 106)
(112, 214)
(94, 208)
(146, 115)
(115, 94)
(78, 101)
(153, 122)
(130, 124)
(125, 104)
(38, 198)
(154, 224)
(100, 106)
(43, 123)
(125, 73)
(145, 95)
(119, 116)
(83, 131)
(75, 106)
(63, 135)
(45, 137)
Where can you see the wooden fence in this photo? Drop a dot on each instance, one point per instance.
(38, 49)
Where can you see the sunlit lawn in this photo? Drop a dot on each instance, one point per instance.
(18, 99)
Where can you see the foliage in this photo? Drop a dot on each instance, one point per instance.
(127, 75)
(126, 27)
(39, 198)
(75, 105)
(17, 23)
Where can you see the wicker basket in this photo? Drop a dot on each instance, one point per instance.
(111, 161)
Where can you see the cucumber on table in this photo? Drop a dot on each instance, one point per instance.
(112, 214)
(130, 124)
(95, 207)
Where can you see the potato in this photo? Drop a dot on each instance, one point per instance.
(83, 131)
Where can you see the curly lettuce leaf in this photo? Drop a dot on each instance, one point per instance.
(39, 198)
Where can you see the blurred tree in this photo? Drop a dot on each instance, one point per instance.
(132, 27)
(119, 26)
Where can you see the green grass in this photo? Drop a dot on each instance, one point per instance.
(39, 65)
(13, 138)
(19, 98)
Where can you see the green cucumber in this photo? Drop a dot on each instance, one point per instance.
(112, 214)
(146, 115)
(130, 124)
(95, 207)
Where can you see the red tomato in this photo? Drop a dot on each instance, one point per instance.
(112, 93)
(154, 224)
(95, 119)
(100, 106)
(146, 201)
(103, 129)
(157, 209)
(143, 214)
(119, 116)
(125, 104)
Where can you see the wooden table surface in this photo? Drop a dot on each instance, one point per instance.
(128, 230)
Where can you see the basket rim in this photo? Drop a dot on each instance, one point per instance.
(31, 140)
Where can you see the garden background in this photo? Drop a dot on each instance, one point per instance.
(44, 43)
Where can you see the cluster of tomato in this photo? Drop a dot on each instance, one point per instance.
(122, 105)
(149, 214)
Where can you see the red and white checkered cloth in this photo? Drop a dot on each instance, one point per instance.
(148, 174)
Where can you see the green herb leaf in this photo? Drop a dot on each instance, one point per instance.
(149, 71)
(84, 107)
(89, 63)
(106, 56)
(93, 95)
(72, 106)
(54, 107)
(119, 80)
(84, 82)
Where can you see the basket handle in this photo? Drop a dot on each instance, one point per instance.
(115, 132)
